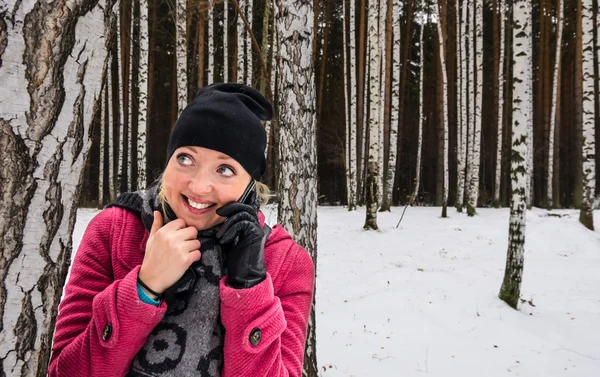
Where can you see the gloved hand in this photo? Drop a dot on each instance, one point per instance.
(243, 240)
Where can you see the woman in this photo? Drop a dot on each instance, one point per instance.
(185, 278)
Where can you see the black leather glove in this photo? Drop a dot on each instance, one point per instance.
(243, 240)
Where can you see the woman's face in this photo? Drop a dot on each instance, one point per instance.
(197, 181)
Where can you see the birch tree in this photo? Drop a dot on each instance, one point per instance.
(477, 104)
(440, 20)
(211, 43)
(395, 107)
(350, 76)
(45, 118)
(522, 120)
(102, 101)
(383, 77)
(226, 41)
(501, 10)
(297, 210)
(372, 179)
(143, 94)
(241, 33)
(462, 129)
(556, 84)
(181, 53)
(249, 66)
(586, 216)
(415, 194)
(471, 82)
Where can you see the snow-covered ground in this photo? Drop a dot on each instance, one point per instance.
(422, 299)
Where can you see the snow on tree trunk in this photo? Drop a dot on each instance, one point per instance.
(373, 167)
(415, 194)
(589, 146)
(352, 163)
(462, 129)
(501, 11)
(45, 120)
(477, 103)
(241, 38)
(249, 67)
(395, 106)
(211, 43)
(441, 42)
(225, 41)
(555, 103)
(522, 121)
(297, 210)
(181, 53)
(143, 94)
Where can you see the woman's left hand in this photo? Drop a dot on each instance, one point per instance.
(243, 239)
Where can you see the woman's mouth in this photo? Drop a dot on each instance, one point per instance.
(197, 207)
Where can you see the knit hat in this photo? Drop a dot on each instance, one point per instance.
(226, 118)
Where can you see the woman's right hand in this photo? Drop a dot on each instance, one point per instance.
(170, 251)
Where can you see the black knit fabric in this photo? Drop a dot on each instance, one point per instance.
(226, 118)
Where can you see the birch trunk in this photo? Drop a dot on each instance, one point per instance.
(143, 96)
(249, 66)
(297, 210)
(382, 100)
(415, 194)
(555, 105)
(181, 54)
(589, 146)
(241, 38)
(478, 101)
(395, 105)
(440, 16)
(45, 118)
(226, 41)
(462, 129)
(522, 121)
(471, 107)
(111, 132)
(102, 101)
(372, 179)
(501, 11)
(211, 43)
(128, 143)
(352, 111)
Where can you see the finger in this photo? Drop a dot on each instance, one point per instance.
(240, 216)
(157, 223)
(236, 229)
(193, 256)
(175, 225)
(188, 233)
(232, 208)
(189, 246)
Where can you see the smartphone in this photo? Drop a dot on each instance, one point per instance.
(246, 197)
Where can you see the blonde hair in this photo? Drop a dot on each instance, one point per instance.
(263, 194)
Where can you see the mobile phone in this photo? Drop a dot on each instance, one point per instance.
(246, 197)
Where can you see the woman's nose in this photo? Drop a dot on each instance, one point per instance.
(201, 184)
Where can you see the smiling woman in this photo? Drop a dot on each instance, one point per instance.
(204, 286)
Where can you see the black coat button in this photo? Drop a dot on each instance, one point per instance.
(255, 337)
(107, 332)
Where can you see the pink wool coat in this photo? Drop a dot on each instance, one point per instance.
(102, 323)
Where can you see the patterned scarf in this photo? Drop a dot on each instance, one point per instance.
(189, 339)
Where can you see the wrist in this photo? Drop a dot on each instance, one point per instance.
(148, 287)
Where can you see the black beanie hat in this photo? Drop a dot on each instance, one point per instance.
(226, 118)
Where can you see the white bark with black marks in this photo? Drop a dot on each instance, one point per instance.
(211, 43)
(297, 210)
(522, 121)
(52, 63)
(225, 41)
(555, 103)
(181, 53)
(501, 11)
(461, 134)
(442, 49)
(249, 66)
(143, 95)
(415, 194)
(477, 102)
(395, 105)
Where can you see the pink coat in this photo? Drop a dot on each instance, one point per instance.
(102, 323)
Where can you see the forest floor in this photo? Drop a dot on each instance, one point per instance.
(422, 299)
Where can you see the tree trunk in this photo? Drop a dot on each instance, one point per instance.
(502, 21)
(373, 167)
(241, 38)
(226, 40)
(551, 194)
(387, 155)
(181, 54)
(462, 135)
(248, 33)
(470, 50)
(478, 102)
(201, 38)
(383, 122)
(45, 120)
(115, 98)
(297, 210)
(586, 216)
(265, 76)
(211, 43)
(578, 116)
(361, 104)
(415, 194)
(323, 62)
(441, 29)
(393, 67)
(143, 95)
(522, 120)
(352, 162)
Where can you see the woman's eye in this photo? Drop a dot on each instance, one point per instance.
(226, 171)
(184, 159)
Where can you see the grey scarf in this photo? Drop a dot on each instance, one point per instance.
(189, 339)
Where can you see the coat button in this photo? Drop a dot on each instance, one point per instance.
(255, 337)
(107, 332)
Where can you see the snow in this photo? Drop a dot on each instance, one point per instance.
(422, 298)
